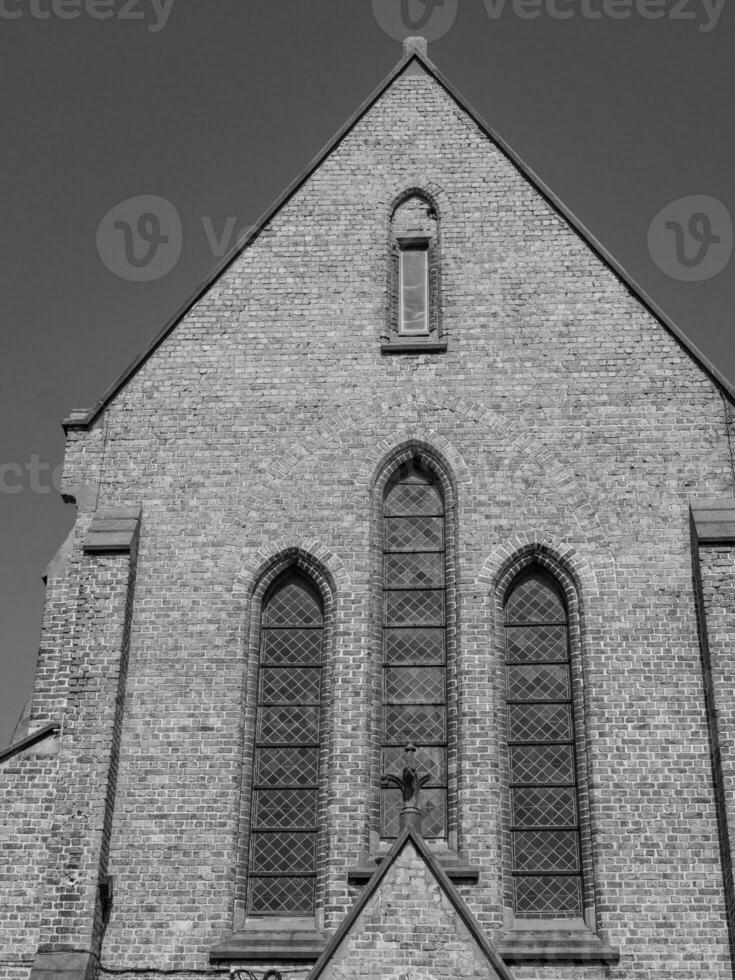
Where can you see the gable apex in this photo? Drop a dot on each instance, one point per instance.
(409, 840)
(415, 60)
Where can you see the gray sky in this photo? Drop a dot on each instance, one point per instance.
(216, 105)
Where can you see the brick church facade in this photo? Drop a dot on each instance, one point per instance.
(419, 465)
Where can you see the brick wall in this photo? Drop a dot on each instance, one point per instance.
(567, 417)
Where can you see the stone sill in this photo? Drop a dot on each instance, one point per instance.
(276, 940)
(452, 864)
(524, 944)
(414, 347)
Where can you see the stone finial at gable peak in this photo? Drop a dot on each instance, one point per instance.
(415, 45)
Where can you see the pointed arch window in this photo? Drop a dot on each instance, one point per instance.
(283, 839)
(544, 795)
(414, 643)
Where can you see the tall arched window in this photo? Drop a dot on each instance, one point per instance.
(414, 642)
(545, 822)
(283, 839)
(415, 308)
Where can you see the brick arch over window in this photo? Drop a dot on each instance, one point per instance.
(414, 606)
(282, 847)
(546, 827)
(414, 269)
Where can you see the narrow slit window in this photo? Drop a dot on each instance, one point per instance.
(545, 823)
(283, 839)
(414, 645)
(414, 290)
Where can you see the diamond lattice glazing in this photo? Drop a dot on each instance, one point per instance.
(526, 643)
(541, 764)
(295, 685)
(285, 895)
(292, 647)
(417, 646)
(414, 533)
(539, 682)
(288, 724)
(286, 766)
(282, 852)
(546, 850)
(548, 897)
(277, 809)
(544, 806)
(414, 684)
(415, 608)
(534, 600)
(540, 722)
(411, 499)
(294, 604)
(423, 570)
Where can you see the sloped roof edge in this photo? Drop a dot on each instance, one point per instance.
(460, 907)
(82, 419)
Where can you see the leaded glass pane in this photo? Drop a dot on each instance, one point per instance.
(534, 600)
(433, 805)
(294, 646)
(414, 533)
(286, 766)
(414, 723)
(283, 851)
(526, 643)
(541, 764)
(406, 570)
(540, 682)
(540, 722)
(284, 895)
(411, 499)
(414, 646)
(277, 809)
(548, 897)
(543, 794)
(290, 684)
(414, 694)
(282, 855)
(544, 806)
(415, 608)
(287, 724)
(546, 850)
(414, 684)
(293, 605)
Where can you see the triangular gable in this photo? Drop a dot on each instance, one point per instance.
(412, 922)
(412, 58)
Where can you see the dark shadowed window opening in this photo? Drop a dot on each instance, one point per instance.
(283, 840)
(545, 830)
(414, 644)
